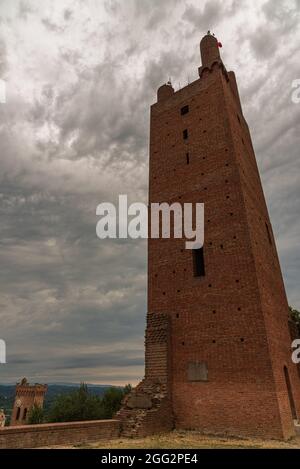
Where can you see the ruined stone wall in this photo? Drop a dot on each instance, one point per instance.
(148, 408)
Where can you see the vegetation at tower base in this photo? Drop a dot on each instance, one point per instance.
(295, 315)
(36, 415)
(112, 400)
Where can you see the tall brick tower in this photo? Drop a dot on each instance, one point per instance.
(26, 397)
(218, 348)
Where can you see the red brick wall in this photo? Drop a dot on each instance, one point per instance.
(35, 436)
(270, 284)
(157, 344)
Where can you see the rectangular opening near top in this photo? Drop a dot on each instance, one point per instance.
(199, 269)
(184, 110)
(185, 134)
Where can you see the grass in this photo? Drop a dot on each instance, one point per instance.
(185, 439)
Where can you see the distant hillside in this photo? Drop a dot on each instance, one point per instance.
(7, 394)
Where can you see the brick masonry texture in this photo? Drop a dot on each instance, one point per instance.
(36, 436)
(235, 319)
(158, 417)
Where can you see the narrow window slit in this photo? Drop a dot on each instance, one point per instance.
(199, 268)
(268, 233)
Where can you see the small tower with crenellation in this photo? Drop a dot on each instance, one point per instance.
(27, 396)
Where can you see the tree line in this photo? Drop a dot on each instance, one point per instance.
(80, 405)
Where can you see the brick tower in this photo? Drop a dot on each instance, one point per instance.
(26, 397)
(218, 348)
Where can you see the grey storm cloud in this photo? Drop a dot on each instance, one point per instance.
(80, 78)
(281, 19)
(207, 17)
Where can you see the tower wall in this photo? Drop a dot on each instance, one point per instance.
(229, 365)
(269, 277)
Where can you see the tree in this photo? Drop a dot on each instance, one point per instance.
(127, 389)
(36, 415)
(82, 405)
(295, 315)
(78, 405)
(111, 402)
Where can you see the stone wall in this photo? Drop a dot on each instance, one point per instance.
(70, 433)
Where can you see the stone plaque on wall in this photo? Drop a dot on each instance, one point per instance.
(197, 371)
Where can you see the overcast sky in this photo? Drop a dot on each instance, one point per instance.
(74, 132)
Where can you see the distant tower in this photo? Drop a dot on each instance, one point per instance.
(218, 348)
(26, 397)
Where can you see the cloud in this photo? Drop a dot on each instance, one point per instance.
(207, 18)
(51, 26)
(74, 132)
(24, 10)
(3, 60)
(280, 22)
(67, 14)
(263, 44)
(211, 14)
